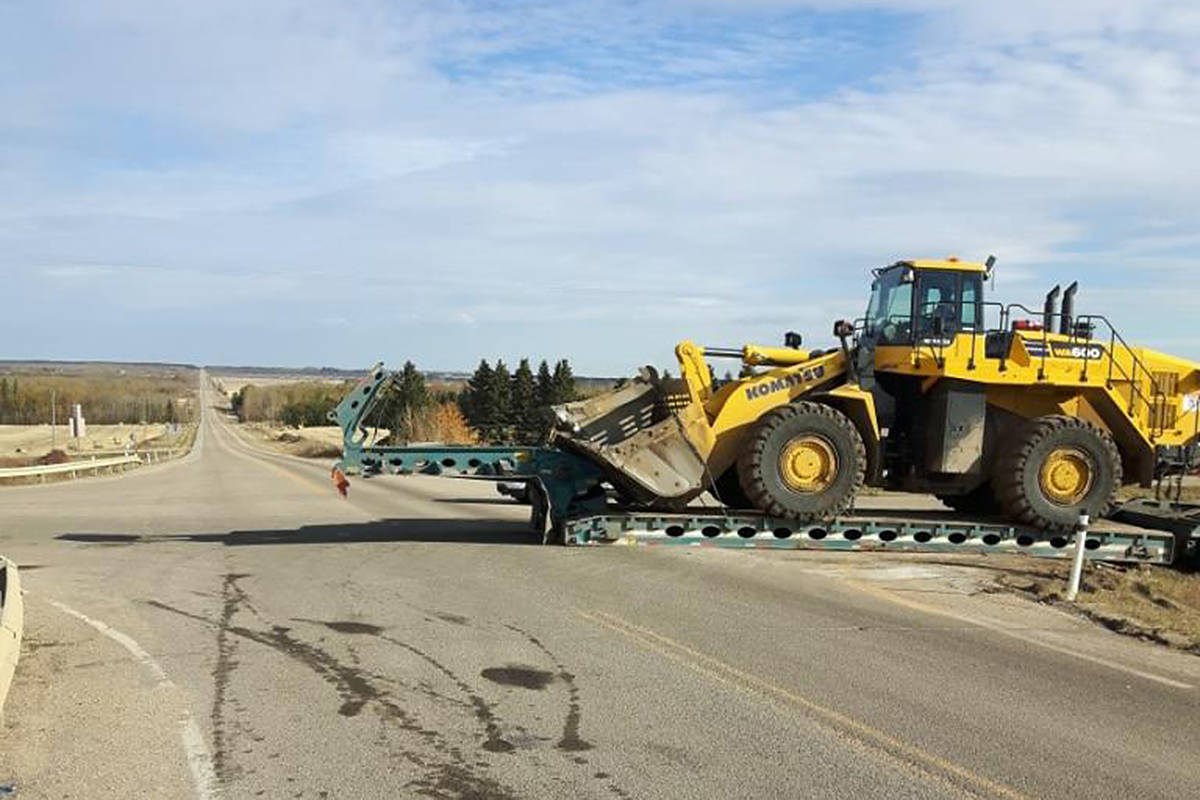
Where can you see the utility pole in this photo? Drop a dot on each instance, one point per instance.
(53, 419)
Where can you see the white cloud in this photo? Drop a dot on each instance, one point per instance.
(514, 174)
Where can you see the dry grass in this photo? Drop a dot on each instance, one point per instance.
(32, 441)
(1189, 494)
(322, 442)
(1156, 603)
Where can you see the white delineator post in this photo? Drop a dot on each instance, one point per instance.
(1081, 529)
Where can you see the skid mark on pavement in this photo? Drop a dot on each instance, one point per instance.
(232, 600)
(570, 741)
(200, 761)
(484, 712)
(926, 764)
(451, 772)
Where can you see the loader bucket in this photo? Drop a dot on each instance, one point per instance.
(639, 434)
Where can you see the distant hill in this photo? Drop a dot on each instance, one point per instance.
(91, 368)
(586, 384)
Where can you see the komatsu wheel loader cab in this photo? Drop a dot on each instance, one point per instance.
(1039, 419)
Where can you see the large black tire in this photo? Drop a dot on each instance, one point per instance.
(729, 492)
(760, 471)
(1018, 474)
(980, 500)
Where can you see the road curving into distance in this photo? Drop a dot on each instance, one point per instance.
(226, 626)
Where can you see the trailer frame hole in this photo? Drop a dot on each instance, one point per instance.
(888, 535)
(711, 531)
(958, 537)
(448, 462)
(674, 530)
(1025, 540)
(1058, 542)
(852, 534)
(782, 533)
(1092, 544)
(746, 532)
(991, 539)
(923, 536)
(817, 533)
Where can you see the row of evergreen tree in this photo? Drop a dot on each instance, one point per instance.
(514, 407)
(501, 406)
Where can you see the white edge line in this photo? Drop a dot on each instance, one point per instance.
(1019, 636)
(199, 759)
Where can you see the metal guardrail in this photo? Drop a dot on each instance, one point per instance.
(151, 455)
(72, 467)
(100, 459)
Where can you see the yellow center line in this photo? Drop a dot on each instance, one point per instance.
(911, 755)
(235, 447)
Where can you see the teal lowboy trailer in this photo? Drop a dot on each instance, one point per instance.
(570, 505)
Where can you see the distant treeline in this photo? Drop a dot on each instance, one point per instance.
(300, 405)
(496, 405)
(108, 400)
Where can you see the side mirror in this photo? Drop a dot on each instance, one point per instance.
(793, 340)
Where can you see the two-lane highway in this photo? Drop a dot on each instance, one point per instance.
(226, 626)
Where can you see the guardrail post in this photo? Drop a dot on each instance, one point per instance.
(1081, 529)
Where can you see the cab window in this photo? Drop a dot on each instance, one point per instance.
(889, 315)
(937, 298)
(972, 296)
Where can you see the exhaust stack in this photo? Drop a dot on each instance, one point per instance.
(1049, 310)
(1068, 308)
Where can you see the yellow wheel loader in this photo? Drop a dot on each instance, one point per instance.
(1039, 416)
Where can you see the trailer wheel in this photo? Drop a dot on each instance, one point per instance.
(1057, 468)
(980, 500)
(803, 461)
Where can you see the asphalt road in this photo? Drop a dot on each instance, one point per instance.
(226, 626)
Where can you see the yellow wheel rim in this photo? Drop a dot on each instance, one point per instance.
(808, 464)
(1066, 476)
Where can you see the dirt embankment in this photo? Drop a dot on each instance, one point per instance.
(1159, 604)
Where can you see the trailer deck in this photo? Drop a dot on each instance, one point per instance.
(882, 530)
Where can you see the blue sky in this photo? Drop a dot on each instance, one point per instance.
(307, 182)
